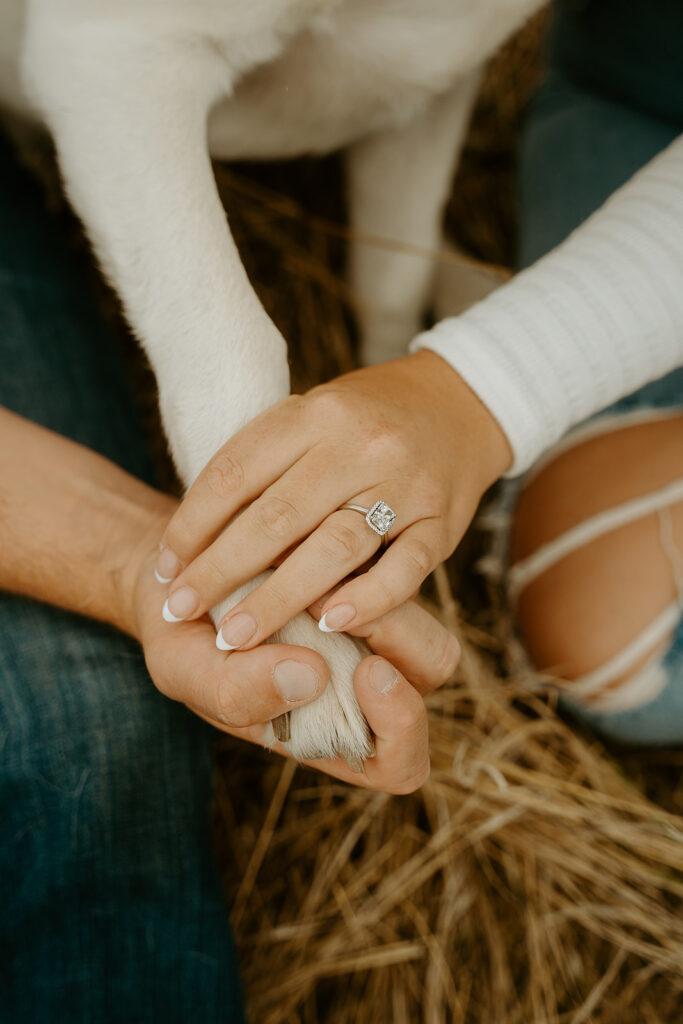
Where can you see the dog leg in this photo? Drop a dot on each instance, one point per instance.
(128, 115)
(129, 120)
(398, 186)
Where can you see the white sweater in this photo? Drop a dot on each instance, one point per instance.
(596, 318)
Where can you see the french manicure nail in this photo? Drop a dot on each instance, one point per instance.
(167, 567)
(336, 618)
(294, 680)
(180, 604)
(235, 632)
(383, 676)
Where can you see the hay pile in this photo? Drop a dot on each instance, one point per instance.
(532, 879)
(528, 881)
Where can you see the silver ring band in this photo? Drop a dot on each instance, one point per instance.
(380, 518)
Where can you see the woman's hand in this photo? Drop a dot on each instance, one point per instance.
(409, 433)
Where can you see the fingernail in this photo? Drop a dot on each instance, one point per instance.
(180, 604)
(235, 632)
(167, 567)
(294, 680)
(336, 618)
(383, 677)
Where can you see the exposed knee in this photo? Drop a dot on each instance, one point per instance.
(601, 612)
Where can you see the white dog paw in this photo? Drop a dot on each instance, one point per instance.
(334, 724)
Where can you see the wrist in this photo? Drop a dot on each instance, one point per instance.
(75, 526)
(464, 415)
(133, 557)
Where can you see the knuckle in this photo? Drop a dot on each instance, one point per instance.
(446, 659)
(447, 541)
(276, 596)
(292, 403)
(410, 722)
(224, 475)
(325, 405)
(179, 684)
(341, 543)
(420, 558)
(384, 598)
(163, 681)
(229, 708)
(210, 571)
(388, 447)
(378, 446)
(412, 782)
(276, 517)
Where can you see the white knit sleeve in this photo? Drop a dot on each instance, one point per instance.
(596, 318)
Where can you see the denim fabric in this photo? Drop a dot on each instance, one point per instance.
(111, 902)
(612, 100)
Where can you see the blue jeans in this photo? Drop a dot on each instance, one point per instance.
(612, 100)
(111, 902)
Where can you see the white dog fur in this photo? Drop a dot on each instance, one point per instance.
(138, 93)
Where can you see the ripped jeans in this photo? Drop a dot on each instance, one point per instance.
(612, 99)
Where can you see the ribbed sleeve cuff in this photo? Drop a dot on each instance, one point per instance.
(491, 371)
(595, 319)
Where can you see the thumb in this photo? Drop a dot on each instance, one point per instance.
(397, 716)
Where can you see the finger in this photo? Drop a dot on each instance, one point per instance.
(397, 575)
(423, 650)
(397, 716)
(281, 516)
(339, 545)
(237, 690)
(251, 460)
(413, 640)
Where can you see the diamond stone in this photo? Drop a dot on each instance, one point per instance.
(380, 518)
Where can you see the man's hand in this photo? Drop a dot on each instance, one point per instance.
(241, 691)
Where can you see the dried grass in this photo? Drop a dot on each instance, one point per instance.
(527, 881)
